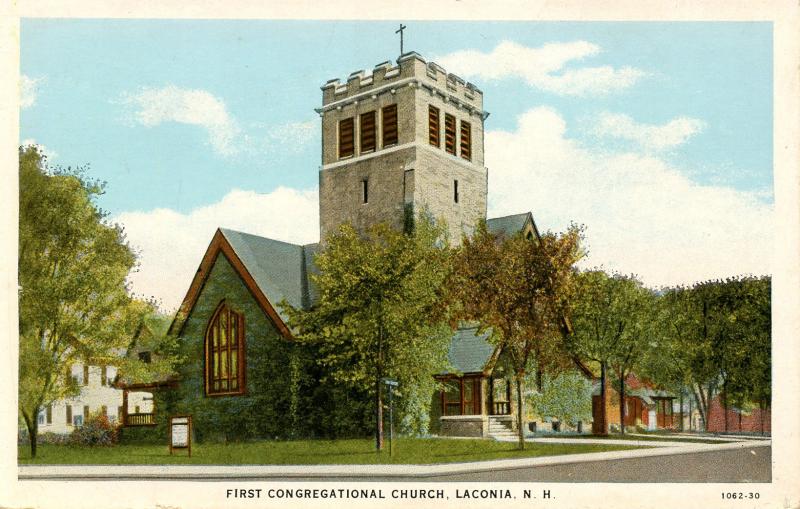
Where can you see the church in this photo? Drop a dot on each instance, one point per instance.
(402, 138)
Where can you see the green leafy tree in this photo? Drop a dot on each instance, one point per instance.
(518, 289)
(566, 396)
(382, 314)
(719, 332)
(73, 301)
(610, 315)
(151, 336)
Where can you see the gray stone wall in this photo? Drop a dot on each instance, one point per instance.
(341, 199)
(464, 426)
(434, 190)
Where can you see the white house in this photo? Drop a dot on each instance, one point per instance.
(98, 394)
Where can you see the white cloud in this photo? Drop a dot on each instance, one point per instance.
(171, 244)
(543, 67)
(291, 137)
(648, 136)
(188, 106)
(642, 215)
(28, 91)
(50, 154)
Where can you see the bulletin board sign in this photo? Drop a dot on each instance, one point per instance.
(180, 433)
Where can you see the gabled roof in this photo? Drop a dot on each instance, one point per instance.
(510, 225)
(278, 268)
(470, 352)
(270, 269)
(157, 325)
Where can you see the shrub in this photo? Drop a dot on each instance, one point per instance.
(53, 438)
(96, 430)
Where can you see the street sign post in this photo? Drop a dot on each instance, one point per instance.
(391, 384)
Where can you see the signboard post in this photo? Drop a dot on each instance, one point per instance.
(391, 384)
(180, 433)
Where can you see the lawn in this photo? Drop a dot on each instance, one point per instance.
(305, 452)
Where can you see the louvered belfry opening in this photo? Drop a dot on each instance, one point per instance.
(346, 137)
(367, 126)
(433, 126)
(389, 125)
(450, 133)
(466, 140)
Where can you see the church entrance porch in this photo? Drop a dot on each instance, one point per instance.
(475, 405)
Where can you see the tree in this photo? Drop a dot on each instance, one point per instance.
(381, 314)
(73, 301)
(566, 396)
(609, 317)
(518, 289)
(719, 332)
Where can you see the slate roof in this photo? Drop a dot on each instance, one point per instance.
(280, 269)
(509, 225)
(469, 351)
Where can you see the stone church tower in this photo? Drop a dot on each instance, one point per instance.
(400, 140)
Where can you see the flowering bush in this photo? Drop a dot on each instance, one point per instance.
(96, 430)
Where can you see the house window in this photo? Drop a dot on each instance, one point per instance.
(433, 126)
(136, 409)
(367, 126)
(103, 375)
(85, 375)
(452, 397)
(346, 137)
(365, 191)
(225, 353)
(69, 415)
(450, 133)
(466, 141)
(461, 396)
(455, 191)
(389, 125)
(85, 413)
(49, 413)
(145, 357)
(77, 420)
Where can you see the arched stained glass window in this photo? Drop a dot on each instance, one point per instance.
(225, 353)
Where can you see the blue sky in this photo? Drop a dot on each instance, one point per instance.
(194, 123)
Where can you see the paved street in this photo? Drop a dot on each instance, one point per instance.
(747, 465)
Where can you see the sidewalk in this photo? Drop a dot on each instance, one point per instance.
(287, 472)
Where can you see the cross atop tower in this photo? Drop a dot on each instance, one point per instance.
(400, 31)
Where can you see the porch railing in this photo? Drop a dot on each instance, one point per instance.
(501, 408)
(141, 420)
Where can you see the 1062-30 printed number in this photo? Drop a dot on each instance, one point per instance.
(739, 495)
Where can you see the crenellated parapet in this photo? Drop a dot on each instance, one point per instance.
(411, 70)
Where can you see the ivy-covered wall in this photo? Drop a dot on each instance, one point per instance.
(288, 395)
(278, 381)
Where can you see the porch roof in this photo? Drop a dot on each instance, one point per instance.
(470, 352)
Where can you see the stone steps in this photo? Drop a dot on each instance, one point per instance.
(501, 429)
